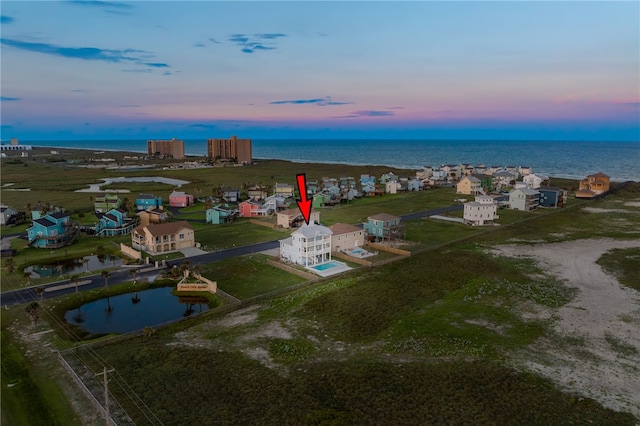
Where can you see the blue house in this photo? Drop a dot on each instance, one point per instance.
(383, 227)
(222, 213)
(550, 196)
(115, 222)
(148, 201)
(54, 230)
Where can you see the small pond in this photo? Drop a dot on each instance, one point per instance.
(134, 311)
(73, 266)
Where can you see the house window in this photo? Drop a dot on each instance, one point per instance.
(181, 236)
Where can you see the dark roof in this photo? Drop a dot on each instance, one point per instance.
(111, 217)
(146, 197)
(549, 188)
(58, 215)
(121, 210)
(44, 222)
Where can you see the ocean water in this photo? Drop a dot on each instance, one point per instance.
(569, 159)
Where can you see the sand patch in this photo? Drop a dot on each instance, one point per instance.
(585, 353)
(632, 204)
(600, 210)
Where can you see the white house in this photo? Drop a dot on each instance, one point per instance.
(534, 180)
(392, 187)
(308, 245)
(524, 199)
(502, 179)
(414, 184)
(5, 213)
(482, 211)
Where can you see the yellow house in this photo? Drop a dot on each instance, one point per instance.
(163, 237)
(469, 185)
(593, 185)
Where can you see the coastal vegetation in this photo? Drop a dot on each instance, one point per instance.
(431, 339)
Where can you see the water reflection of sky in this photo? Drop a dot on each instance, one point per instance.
(73, 266)
(154, 306)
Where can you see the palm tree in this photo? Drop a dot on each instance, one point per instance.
(40, 292)
(33, 309)
(27, 275)
(75, 279)
(85, 260)
(105, 275)
(134, 274)
(10, 265)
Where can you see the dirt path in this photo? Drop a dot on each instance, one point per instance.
(596, 349)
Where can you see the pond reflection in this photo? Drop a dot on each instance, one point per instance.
(134, 311)
(73, 266)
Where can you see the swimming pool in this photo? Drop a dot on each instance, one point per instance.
(356, 251)
(325, 266)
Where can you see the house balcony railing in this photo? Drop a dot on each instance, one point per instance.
(69, 236)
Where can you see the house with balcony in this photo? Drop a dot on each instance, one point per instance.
(284, 190)
(231, 195)
(163, 237)
(153, 216)
(503, 179)
(254, 208)
(104, 202)
(52, 231)
(469, 185)
(414, 184)
(292, 218)
(535, 180)
(114, 223)
(552, 197)
(307, 246)
(221, 213)
(524, 199)
(180, 199)
(482, 211)
(257, 191)
(345, 237)
(593, 185)
(148, 201)
(383, 227)
(392, 186)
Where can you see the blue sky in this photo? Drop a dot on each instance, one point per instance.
(496, 70)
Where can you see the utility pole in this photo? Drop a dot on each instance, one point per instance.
(106, 394)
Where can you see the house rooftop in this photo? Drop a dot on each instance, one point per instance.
(146, 197)
(343, 228)
(290, 212)
(527, 191)
(549, 188)
(383, 216)
(58, 215)
(178, 194)
(313, 230)
(44, 222)
(165, 228)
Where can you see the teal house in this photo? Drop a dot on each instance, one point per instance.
(115, 222)
(222, 213)
(53, 230)
(148, 201)
(383, 227)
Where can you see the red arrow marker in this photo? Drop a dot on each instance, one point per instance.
(304, 205)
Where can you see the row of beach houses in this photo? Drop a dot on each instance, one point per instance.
(53, 228)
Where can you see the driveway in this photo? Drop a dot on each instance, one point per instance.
(192, 251)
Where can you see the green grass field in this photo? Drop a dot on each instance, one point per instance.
(425, 340)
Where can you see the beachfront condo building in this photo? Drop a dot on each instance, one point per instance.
(173, 148)
(234, 149)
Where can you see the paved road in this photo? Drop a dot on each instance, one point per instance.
(26, 295)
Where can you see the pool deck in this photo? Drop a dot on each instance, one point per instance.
(361, 253)
(342, 267)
